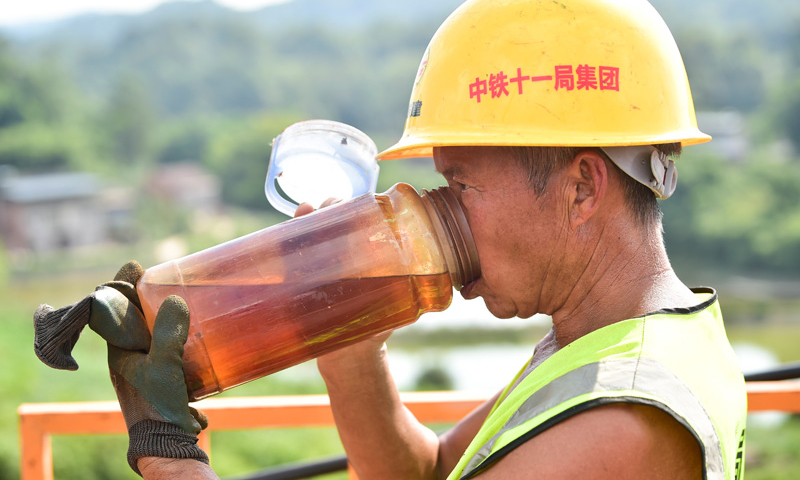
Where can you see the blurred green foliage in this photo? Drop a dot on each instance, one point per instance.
(199, 83)
(5, 271)
(434, 379)
(744, 216)
(787, 108)
(771, 453)
(724, 72)
(238, 153)
(192, 81)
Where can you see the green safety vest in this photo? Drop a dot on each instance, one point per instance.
(678, 360)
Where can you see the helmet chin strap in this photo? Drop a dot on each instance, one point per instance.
(648, 166)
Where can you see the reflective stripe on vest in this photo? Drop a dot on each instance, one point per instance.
(629, 380)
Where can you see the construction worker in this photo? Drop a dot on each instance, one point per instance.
(556, 123)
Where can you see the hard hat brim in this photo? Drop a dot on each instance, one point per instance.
(413, 146)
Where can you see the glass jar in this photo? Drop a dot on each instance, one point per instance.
(313, 284)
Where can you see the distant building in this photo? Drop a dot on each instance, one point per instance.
(188, 186)
(61, 211)
(50, 212)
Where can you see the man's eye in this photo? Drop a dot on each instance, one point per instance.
(462, 186)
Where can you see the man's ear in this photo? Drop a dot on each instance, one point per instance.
(588, 182)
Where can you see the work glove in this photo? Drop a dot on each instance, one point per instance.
(147, 373)
(115, 318)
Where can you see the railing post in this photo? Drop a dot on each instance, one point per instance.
(36, 452)
(204, 442)
(351, 474)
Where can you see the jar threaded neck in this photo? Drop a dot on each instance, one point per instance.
(463, 261)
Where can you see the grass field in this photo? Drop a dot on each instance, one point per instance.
(771, 452)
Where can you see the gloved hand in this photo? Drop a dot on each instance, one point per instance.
(114, 317)
(147, 374)
(152, 392)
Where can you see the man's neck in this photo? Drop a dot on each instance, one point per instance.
(636, 280)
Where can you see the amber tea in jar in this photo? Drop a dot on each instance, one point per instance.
(313, 284)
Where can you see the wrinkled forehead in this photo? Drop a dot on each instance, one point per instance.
(463, 160)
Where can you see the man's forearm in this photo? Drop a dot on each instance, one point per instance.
(382, 438)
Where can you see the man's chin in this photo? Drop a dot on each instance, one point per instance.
(501, 311)
(498, 309)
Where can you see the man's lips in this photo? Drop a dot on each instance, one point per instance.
(466, 290)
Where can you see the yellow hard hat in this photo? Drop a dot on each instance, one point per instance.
(549, 73)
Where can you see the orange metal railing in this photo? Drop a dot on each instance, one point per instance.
(38, 422)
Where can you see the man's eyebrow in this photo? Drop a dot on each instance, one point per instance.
(452, 171)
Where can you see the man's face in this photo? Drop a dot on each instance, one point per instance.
(516, 232)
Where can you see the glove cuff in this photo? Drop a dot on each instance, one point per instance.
(151, 438)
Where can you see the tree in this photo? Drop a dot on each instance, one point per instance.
(787, 105)
(41, 115)
(724, 72)
(185, 140)
(239, 155)
(128, 122)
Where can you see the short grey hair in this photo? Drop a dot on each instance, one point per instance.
(542, 162)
